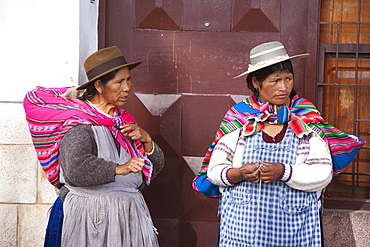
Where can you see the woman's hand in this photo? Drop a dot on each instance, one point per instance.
(250, 172)
(270, 171)
(136, 133)
(247, 172)
(134, 165)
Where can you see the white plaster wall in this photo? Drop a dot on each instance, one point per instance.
(42, 43)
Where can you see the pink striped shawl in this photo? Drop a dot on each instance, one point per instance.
(50, 116)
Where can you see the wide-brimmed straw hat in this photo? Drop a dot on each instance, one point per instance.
(268, 54)
(103, 62)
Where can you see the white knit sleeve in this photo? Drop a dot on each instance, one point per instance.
(313, 168)
(221, 159)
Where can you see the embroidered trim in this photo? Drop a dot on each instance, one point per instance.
(288, 170)
(224, 176)
(283, 172)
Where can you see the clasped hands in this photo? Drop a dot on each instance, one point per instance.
(266, 171)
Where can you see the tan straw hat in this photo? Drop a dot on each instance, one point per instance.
(103, 62)
(268, 54)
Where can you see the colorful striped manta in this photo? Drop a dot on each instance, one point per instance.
(50, 115)
(302, 117)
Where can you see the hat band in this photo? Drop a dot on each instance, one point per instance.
(102, 68)
(267, 54)
(267, 51)
(271, 61)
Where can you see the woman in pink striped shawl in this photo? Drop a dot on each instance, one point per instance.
(96, 154)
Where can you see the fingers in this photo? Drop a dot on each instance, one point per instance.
(135, 165)
(265, 171)
(128, 129)
(254, 177)
(270, 171)
(267, 178)
(249, 168)
(136, 133)
(250, 172)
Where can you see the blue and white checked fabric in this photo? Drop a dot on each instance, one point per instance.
(270, 214)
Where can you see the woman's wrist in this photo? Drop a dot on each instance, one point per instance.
(120, 169)
(148, 147)
(234, 175)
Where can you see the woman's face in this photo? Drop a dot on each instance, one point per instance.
(276, 88)
(116, 91)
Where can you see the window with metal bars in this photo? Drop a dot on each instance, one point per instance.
(343, 92)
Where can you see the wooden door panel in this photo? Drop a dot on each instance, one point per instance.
(246, 12)
(188, 62)
(191, 50)
(159, 14)
(210, 15)
(343, 11)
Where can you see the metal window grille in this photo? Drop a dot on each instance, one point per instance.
(343, 86)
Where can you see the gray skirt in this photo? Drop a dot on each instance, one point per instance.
(119, 219)
(113, 214)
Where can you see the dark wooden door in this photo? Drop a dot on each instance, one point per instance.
(191, 51)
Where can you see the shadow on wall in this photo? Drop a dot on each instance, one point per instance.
(175, 233)
(188, 236)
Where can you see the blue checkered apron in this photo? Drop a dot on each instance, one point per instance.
(272, 214)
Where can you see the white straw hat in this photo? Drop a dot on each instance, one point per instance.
(268, 54)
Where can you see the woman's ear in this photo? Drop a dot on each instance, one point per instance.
(255, 83)
(98, 86)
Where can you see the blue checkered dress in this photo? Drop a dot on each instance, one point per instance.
(270, 214)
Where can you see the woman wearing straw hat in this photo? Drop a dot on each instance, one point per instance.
(271, 159)
(94, 151)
